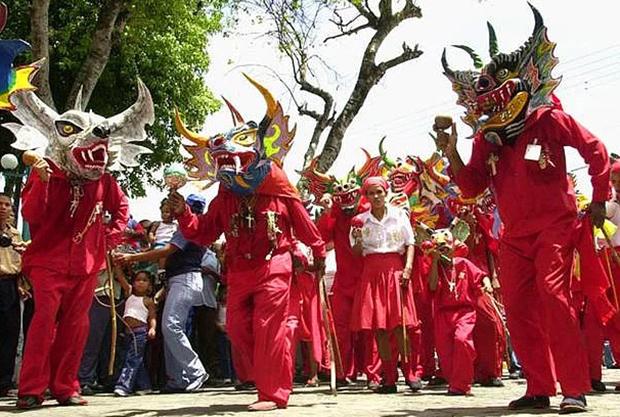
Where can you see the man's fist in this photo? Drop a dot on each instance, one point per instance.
(176, 202)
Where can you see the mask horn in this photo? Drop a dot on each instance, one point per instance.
(473, 55)
(444, 63)
(272, 104)
(236, 116)
(493, 48)
(538, 20)
(187, 133)
(389, 162)
(77, 105)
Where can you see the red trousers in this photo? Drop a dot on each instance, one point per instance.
(455, 345)
(595, 334)
(424, 308)
(257, 326)
(489, 341)
(57, 333)
(350, 343)
(535, 275)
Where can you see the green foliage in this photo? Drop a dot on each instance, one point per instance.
(162, 42)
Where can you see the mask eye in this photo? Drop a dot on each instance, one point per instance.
(65, 128)
(245, 138)
(485, 83)
(338, 188)
(352, 183)
(502, 74)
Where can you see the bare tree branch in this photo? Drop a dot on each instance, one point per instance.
(407, 55)
(39, 34)
(348, 32)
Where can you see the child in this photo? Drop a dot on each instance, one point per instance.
(139, 310)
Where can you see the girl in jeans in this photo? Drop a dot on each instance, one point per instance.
(141, 320)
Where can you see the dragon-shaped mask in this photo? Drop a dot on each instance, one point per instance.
(344, 191)
(81, 143)
(240, 158)
(499, 96)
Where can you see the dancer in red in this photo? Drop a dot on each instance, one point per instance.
(456, 285)
(518, 151)
(384, 300)
(65, 201)
(259, 212)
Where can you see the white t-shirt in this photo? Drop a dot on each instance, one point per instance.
(164, 232)
(391, 234)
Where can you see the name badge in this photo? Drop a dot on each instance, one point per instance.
(533, 150)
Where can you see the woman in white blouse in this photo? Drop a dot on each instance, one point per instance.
(384, 299)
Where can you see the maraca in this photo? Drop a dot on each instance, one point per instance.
(175, 176)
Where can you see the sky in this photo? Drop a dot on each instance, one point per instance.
(403, 105)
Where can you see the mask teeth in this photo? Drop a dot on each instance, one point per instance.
(237, 164)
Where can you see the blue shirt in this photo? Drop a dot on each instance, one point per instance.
(188, 257)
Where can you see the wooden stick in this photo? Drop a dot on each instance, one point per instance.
(112, 313)
(405, 352)
(335, 363)
(616, 259)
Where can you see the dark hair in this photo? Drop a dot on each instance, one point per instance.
(163, 203)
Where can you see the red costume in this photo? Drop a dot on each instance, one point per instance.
(67, 251)
(335, 226)
(454, 304)
(537, 206)
(258, 294)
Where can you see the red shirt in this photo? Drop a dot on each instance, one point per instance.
(247, 248)
(73, 245)
(335, 226)
(530, 198)
(467, 280)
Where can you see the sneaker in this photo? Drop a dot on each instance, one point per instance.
(525, 402)
(571, 405)
(386, 389)
(73, 400)
(492, 382)
(414, 385)
(372, 385)
(598, 386)
(197, 383)
(119, 392)
(28, 401)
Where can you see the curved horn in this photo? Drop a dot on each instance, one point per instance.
(389, 162)
(538, 20)
(472, 54)
(444, 63)
(236, 116)
(272, 104)
(77, 105)
(135, 117)
(493, 48)
(183, 130)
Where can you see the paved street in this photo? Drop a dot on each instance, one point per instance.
(316, 402)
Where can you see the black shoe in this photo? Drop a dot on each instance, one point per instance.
(87, 390)
(571, 405)
(492, 382)
(525, 402)
(598, 386)
(171, 390)
(343, 383)
(437, 382)
(414, 385)
(245, 386)
(456, 393)
(28, 402)
(385, 389)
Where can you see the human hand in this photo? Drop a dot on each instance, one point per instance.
(23, 290)
(319, 266)
(597, 213)
(356, 232)
(122, 258)
(151, 334)
(445, 142)
(406, 276)
(326, 201)
(176, 202)
(38, 165)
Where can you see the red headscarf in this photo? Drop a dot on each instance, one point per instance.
(374, 181)
(615, 167)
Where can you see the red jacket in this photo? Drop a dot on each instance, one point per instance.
(249, 248)
(335, 226)
(528, 197)
(66, 244)
(467, 280)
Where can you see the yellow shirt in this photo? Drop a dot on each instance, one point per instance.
(10, 260)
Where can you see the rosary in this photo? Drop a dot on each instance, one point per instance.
(244, 217)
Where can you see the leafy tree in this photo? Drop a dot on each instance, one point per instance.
(104, 45)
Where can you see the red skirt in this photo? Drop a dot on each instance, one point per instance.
(377, 302)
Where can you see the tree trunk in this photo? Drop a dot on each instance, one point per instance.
(39, 34)
(98, 55)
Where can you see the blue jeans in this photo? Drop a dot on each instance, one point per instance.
(183, 367)
(134, 375)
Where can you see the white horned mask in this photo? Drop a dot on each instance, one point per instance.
(83, 144)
